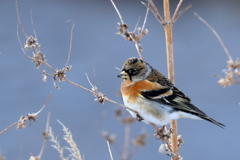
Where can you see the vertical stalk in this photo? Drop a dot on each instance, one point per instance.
(170, 65)
(126, 141)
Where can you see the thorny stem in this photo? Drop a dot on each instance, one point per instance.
(216, 34)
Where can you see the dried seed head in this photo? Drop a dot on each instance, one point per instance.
(237, 72)
(165, 150)
(127, 120)
(118, 112)
(230, 64)
(140, 140)
(34, 158)
(110, 138)
(21, 123)
(179, 139)
(38, 58)
(31, 42)
(228, 80)
(44, 74)
(60, 74)
(67, 68)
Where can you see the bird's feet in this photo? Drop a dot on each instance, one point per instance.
(139, 118)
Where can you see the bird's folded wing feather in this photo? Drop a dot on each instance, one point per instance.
(173, 97)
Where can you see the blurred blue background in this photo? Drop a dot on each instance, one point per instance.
(197, 56)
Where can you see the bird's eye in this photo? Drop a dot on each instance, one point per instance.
(132, 71)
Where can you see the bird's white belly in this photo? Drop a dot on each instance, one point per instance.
(155, 112)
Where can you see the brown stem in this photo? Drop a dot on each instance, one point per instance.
(126, 141)
(95, 94)
(170, 66)
(216, 34)
(8, 127)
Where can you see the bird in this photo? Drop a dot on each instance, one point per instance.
(155, 98)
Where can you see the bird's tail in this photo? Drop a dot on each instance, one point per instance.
(212, 121)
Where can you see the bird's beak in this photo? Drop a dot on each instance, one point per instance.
(123, 74)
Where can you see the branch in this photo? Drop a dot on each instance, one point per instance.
(131, 36)
(216, 34)
(109, 149)
(22, 121)
(45, 135)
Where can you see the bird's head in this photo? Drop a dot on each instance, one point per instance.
(135, 69)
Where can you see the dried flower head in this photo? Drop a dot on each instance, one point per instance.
(179, 139)
(34, 158)
(38, 58)
(228, 80)
(31, 42)
(165, 150)
(44, 74)
(159, 134)
(140, 140)
(110, 138)
(127, 120)
(21, 122)
(118, 112)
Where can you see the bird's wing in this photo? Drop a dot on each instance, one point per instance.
(171, 96)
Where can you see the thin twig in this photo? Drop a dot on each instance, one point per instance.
(49, 96)
(34, 31)
(154, 11)
(181, 12)
(177, 9)
(109, 149)
(19, 20)
(216, 34)
(117, 11)
(21, 44)
(145, 19)
(133, 152)
(8, 127)
(49, 66)
(70, 46)
(138, 50)
(126, 141)
(44, 137)
(136, 25)
(89, 80)
(95, 94)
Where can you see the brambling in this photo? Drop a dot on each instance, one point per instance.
(154, 97)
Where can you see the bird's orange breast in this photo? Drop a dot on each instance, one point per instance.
(133, 90)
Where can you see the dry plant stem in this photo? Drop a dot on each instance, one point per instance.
(19, 20)
(70, 45)
(45, 137)
(167, 142)
(35, 114)
(216, 34)
(170, 66)
(109, 100)
(109, 149)
(126, 141)
(136, 43)
(8, 127)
